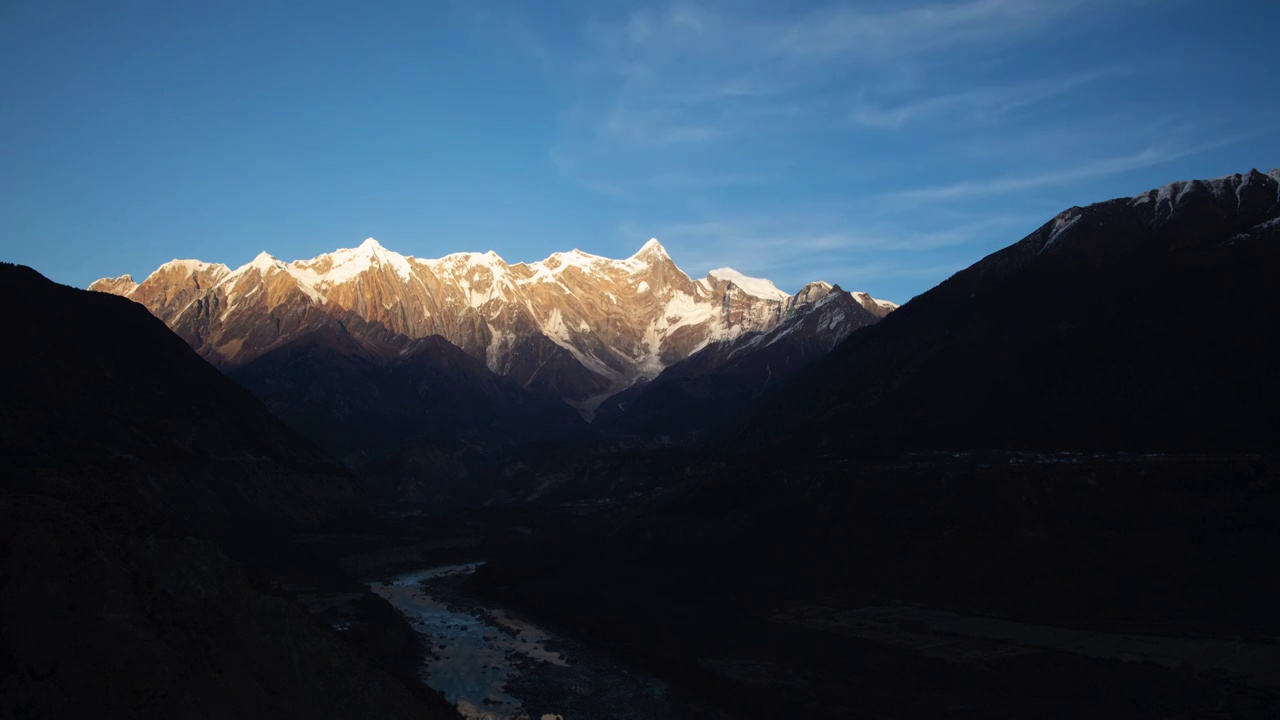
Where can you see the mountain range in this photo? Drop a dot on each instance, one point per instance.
(454, 382)
(578, 326)
(1060, 460)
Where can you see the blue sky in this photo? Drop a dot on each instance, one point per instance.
(879, 145)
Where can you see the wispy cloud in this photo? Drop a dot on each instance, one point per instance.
(843, 30)
(650, 180)
(1092, 169)
(647, 127)
(846, 138)
(980, 105)
(709, 76)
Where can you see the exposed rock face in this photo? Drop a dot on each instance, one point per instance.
(578, 325)
(123, 285)
(713, 384)
(813, 322)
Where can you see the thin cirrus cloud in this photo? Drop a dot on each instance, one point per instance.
(980, 105)
(687, 84)
(1094, 168)
(693, 73)
(841, 29)
(927, 132)
(790, 139)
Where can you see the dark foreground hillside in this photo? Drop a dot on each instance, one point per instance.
(1045, 488)
(133, 473)
(1145, 323)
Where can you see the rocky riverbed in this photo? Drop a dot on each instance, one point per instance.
(494, 665)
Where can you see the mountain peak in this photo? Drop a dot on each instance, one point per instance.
(818, 285)
(370, 248)
(123, 285)
(651, 249)
(756, 287)
(350, 263)
(263, 261)
(191, 266)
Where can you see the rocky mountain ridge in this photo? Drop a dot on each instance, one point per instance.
(578, 325)
(1122, 341)
(706, 389)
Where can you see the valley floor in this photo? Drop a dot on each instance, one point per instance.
(1002, 585)
(953, 636)
(1024, 597)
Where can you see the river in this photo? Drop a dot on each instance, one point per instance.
(494, 666)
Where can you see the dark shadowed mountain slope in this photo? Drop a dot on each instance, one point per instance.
(123, 453)
(419, 421)
(806, 572)
(710, 388)
(96, 381)
(1137, 323)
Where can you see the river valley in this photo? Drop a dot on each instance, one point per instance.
(493, 665)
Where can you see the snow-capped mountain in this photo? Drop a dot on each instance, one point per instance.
(719, 381)
(579, 325)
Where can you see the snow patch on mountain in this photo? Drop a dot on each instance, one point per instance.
(191, 267)
(868, 302)
(757, 287)
(559, 262)
(1167, 197)
(683, 309)
(1065, 221)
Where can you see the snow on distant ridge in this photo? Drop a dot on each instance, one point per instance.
(757, 287)
(191, 266)
(618, 318)
(1167, 196)
(263, 261)
(350, 262)
(317, 275)
(652, 245)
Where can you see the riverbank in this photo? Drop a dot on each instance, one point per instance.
(494, 665)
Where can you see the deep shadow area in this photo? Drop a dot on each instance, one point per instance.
(1076, 436)
(729, 584)
(1047, 487)
(143, 496)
